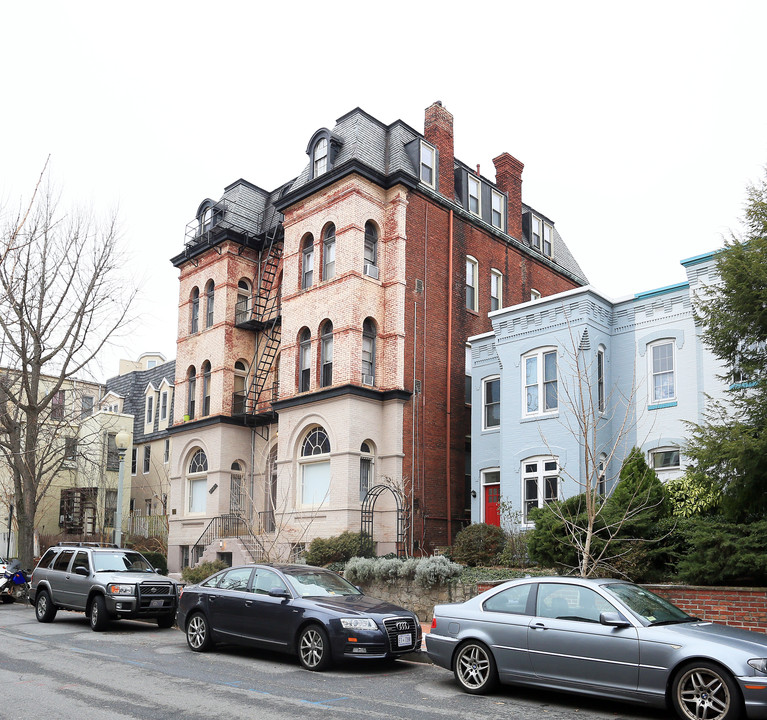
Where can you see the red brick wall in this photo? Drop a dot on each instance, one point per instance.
(738, 607)
(426, 332)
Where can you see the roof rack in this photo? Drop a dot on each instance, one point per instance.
(87, 544)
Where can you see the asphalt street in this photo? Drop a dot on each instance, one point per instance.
(65, 671)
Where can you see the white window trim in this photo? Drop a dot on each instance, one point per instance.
(550, 228)
(474, 182)
(433, 166)
(541, 474)
(662, 449)
(190, 479)
(149, 409)
(470, 260)
(651, 372)
(497, 276)
(540, 354)
(483, 483)
(601, 384)
(485, 382)
(535, 294)
(500, 197)
(535, 220)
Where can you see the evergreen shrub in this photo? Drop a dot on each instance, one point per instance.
(198, 573)
(479, 544)
(323, 551)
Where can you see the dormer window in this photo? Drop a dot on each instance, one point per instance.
(322, 150)
(475, 189)
(548, 231)
(496, 210)
(321, 157)
(541, 235)
(428, 164)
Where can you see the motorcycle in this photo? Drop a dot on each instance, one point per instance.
(13, 583)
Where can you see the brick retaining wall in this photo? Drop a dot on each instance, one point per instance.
(738, 607)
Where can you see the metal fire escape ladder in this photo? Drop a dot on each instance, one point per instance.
(267, 314)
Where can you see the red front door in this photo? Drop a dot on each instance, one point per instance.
(492, 504)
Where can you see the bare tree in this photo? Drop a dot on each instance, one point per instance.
(601, 419)
(61, 299)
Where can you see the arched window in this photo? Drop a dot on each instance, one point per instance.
(239, 394)
(243, 306)
(326, 354)
(206, 388)
(209, 299)
(315, 467)
(237, 495)
(191, 391)
(371, 244)
(320, 159)
(366, 468)
(194, 321)
(329, 252)
(368, 352)
(304, 360)
(197, 481)
(307, 261)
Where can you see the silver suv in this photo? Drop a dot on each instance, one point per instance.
(105, 582)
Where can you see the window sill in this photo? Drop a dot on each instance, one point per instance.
(472, 311)
(662, 406)
(494, 429)
(541, 416)
(743, 385)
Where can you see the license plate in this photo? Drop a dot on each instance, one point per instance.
(406, 639)
(155, 603)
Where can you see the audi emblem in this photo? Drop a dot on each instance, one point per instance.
(402, 625)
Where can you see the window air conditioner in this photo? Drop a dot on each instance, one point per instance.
(371, 270)
(367, 379)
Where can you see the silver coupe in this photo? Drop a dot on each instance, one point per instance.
(601, 637)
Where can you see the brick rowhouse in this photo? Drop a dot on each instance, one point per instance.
(331, 368)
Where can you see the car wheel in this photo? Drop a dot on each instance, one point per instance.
(475, 669)
(45, 610)
(314, 648)
(198, 633)
(99, 617)
(705, 690)
(166, 621)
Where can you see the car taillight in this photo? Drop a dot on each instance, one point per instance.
(434, 622)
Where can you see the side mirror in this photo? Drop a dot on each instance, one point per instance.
(80, 570)
(278, 592)
(613, 619)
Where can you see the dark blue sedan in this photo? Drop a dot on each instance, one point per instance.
(307, 611)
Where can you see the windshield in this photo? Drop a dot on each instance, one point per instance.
(320, 583)
(120, 562)
(647, 606)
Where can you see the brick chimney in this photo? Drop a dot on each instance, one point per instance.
(508, 177)
(438, 130)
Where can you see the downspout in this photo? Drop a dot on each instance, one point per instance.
(447, 379)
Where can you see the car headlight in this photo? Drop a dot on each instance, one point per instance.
(358, 624)
(759, 664)
(116, 589)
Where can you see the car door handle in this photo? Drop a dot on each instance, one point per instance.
(248, 603)
(538, 626)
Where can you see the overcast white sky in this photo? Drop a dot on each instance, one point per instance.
(639, 124)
